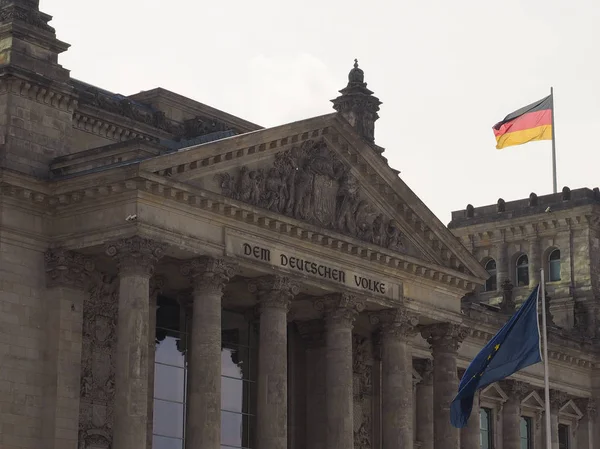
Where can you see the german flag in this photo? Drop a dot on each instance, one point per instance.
(530, 123)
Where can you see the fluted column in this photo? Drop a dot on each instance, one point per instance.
(425, 404)
(136, 258)
(68, 279)
(397, 329)
(274, 298)
(535, 261)
(511, 413)
(340, 312)
(156, 285)
(470, 435)
(203, 425)
(445, 339)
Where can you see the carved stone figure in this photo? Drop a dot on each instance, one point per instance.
(310, 183)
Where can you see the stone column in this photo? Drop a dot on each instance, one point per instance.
(68, 278)
(445, 339)
(340, 312)
(397, 328)
(313, 334)
(136, 258)
(203, 425)
(511, 413)
(470, 435)
(502, 262)
(535, 262)
(274, 298)
(425, 404)
(156, 285)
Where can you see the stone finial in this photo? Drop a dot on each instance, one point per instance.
(566, 193)
(395, 323)
(66, 268)
(533, 199)
(470, 211)
(274, 291)
(340, 308)
(501, 205)
(136, 254)
(445, 337)
(358, 105)
(208, 274)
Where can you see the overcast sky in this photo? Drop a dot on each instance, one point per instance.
(446, 71)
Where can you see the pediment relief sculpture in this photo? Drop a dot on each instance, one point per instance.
(311, 183)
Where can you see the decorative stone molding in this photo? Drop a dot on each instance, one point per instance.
(274, 291)
(340, 308)
(445, 337)
(65, 268)
(208, 274)
(395, 323)
(515, 390)
(587, 405)
(425, 369)
(557, 399)
(136, 255)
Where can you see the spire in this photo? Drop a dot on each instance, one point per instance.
(358, 105)
(31, 43)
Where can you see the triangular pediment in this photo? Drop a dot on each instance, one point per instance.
(570, 409)
(320, 173)
(494, 393)
(534, 401)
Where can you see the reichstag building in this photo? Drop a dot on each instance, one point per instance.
(174, 277)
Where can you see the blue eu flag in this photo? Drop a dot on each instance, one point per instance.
(514, 347)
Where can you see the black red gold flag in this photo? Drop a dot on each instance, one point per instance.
(530, 123)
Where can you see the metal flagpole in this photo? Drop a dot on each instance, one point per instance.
(546, 375)
(553, 144)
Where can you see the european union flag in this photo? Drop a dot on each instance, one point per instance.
(514, 347)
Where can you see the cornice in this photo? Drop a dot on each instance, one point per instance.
(39, 91)
(111, 126)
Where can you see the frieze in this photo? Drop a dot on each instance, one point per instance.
(309, 182)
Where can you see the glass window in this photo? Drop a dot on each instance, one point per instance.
(170, 372)
(522, 271)
(563, 437)
(490, 284)
(526, 442)
(238, 381)
(485, 428)
(554, 266)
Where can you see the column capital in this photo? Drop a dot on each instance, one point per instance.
(425, 369)
(587, 406)
(445, 337)
(274, 291)
(395, 323)
(208, 274)
(66, 268)
(340, 308)
(515, 390)
(557, 399)
(136, 255)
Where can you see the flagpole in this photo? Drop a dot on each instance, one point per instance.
(554, 183)
(546, 374)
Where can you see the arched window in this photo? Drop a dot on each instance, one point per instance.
(490, 284)
(554, 266)
(522, 271)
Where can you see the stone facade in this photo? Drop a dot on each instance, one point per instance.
(163, 262)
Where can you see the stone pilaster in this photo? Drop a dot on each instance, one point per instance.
(445, 339)
(68, 277)
(535, 262)
(208, 277)
(274, 298)
(136, 258)
(156, 285)
(313, 334)
(511, 413)
(397, 328)
(425, 404)
(340, 312)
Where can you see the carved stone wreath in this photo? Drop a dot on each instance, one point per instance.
(310, 183)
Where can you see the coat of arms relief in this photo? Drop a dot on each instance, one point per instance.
(311, 183)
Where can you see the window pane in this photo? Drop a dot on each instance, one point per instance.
(169, 382)
(232, 429)
(232, 395)
(522, 276)
(166, 443)
(563, 436)
(167, 351)
(555, 270)
(168, 419)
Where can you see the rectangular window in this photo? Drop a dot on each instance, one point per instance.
(526, 442)
(485, 428)
(563, 437)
